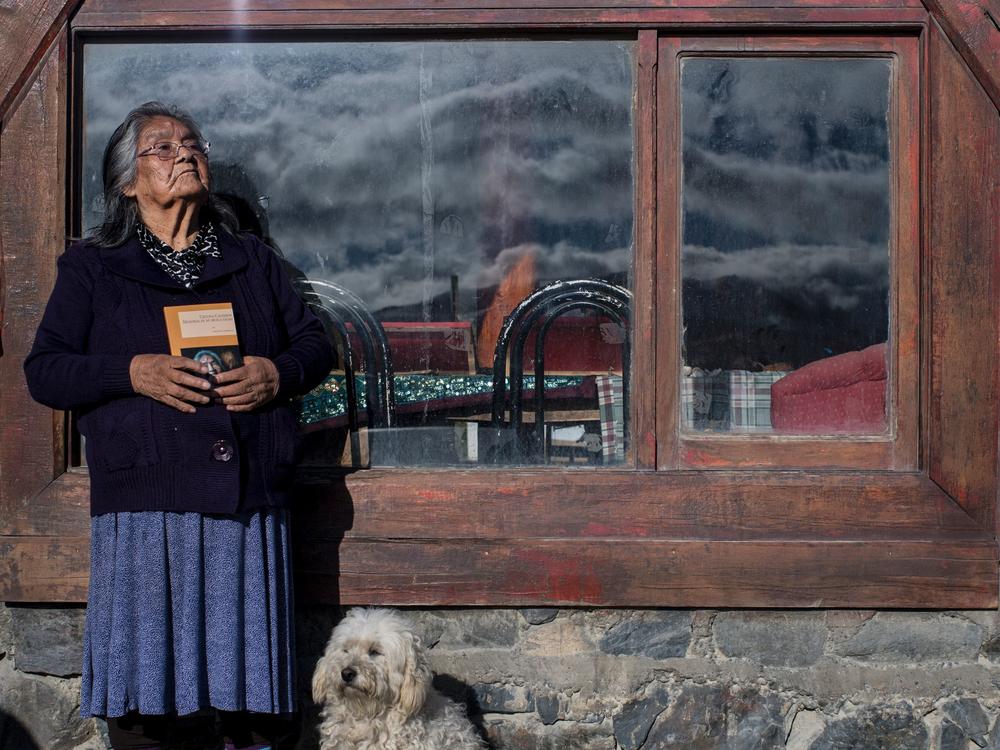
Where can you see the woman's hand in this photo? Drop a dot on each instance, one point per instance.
(249, 386)
(166, 378)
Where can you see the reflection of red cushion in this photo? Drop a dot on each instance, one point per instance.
(845, 393)
(579, 344)
(427, 347)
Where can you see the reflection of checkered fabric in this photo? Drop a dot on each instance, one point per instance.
(705, 399)
(727, 400)
(750, 400)
(611, 405)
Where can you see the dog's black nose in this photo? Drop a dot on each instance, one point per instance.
(348, 674)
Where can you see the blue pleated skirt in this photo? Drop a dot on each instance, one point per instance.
(188, 611)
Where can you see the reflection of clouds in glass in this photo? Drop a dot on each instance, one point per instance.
(825, 273)
(397, 281)
(786, 151)
(787, 202)
(786, 208)
(765, 100)
(552, 261)
(532, 144)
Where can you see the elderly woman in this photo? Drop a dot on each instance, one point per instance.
(189, 630)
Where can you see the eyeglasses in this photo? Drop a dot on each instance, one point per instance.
(168, 150)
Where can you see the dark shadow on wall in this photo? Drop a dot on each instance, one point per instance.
(313, 625)
(323, 512)
(463, 694)
(14, 735)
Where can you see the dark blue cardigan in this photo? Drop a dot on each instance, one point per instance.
(106, 307)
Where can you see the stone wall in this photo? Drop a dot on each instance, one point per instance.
(551, 679)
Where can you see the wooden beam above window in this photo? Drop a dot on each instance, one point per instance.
(525, 14)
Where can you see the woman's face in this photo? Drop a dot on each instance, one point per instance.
(162, 184)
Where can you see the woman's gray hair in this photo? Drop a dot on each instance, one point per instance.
(121, 213)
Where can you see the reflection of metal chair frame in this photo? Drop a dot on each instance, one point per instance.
(541, 308)
(341, 307)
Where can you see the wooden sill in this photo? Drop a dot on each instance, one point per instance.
(598, 538)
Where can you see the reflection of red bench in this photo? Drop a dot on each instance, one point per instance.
(574, 345)
(428, 347)
(577, 344)
(845, 393)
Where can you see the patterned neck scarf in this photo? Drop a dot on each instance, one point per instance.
(183, 266)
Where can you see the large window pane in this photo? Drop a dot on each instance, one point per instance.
(441, 183)
(785, 258)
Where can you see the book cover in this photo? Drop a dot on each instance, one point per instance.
(205, 333)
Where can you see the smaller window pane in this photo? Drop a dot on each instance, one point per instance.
(785, 252)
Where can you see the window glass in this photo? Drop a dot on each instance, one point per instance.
(439, 184)
(785, 252)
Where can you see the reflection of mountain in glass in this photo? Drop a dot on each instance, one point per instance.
(402, 170)
(786, 209)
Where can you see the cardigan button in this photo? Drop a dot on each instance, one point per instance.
(222, 450)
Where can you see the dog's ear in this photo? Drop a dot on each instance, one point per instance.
(416, 677)
(321, 681)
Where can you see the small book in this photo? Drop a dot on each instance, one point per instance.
(205, 333)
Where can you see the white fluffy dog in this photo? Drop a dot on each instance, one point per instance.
(374, 685)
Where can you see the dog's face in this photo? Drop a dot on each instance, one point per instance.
(372, 664)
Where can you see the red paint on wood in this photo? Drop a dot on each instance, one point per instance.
(597, 529)
(973, 26)
(568, 579)
(964, 259)
(27, 30)
(514, 17)
(436, 495)
(31, 237)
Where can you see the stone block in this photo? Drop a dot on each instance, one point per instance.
(887, 728)
(43, 709)
(522, 733)
(952, 737)
(633, 722)
(539, 616)
(557, 638)
(969, 717)
(504, 699)
(719, 716)
(491, 628)
(655, 634)
(754, 720)
(806, 727)
(987, 619)
(6, 631)
(548, 707)
(842, 623)
(48, 640)
(993, 743)
(428, 625)
(991, 649)
(914, 636)
(787, 639)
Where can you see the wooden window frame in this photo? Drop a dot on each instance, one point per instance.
(913, 527)
(897, 448)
